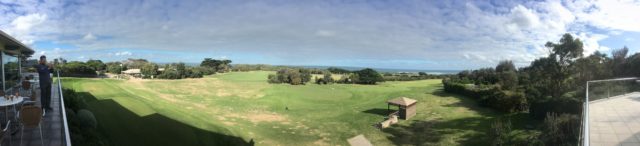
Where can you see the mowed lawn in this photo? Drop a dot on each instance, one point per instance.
(243, 105)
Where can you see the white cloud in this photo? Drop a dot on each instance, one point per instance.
(469, 34)
(325, 33)
(523, 17)
(25, 23)
(609, 14)
(22, 27)
(123, 53)
(590, 43)
(55, 53)
(89, 37)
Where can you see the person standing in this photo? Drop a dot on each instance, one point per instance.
(44, 71)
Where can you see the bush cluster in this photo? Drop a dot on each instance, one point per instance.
(76, 69)
(290, 76)
(411, 77)
(489, 95)
(83, 126)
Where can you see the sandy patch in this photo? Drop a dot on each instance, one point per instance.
(228, 123)
(265, 117)
(209, 86)
(322, 141)
(259, 116)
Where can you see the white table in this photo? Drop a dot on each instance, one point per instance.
(8, 102)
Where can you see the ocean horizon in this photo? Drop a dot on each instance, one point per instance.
(353, 68)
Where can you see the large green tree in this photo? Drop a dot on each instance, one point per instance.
(552, 79)
(507, 74)
(619, 61)
(181, 69)
(218, 65)
(96, 64)
(368, 76)
(149, 70)
(559, 68)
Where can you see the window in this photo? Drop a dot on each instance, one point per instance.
(11, 71)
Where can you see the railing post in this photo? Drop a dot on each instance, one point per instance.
(585, 113)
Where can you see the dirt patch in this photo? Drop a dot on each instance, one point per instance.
(222, 93)
(210, 86)
(322, 141)
(228, 123)
(259, 116)
(265, 117)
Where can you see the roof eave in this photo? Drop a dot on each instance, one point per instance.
(24, 49)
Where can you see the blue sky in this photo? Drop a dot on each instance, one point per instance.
(383, 34)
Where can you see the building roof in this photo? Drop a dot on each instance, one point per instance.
(131, 71)
(403, 101)
(13, 46)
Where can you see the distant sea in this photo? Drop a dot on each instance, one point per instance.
(384, 70)
(387, 70)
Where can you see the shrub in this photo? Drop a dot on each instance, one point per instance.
(320, 81)
(72, 100)
(560, 105)
(169, 74)
(82, 123)
(273, 79)
(560, 129)
(86, 119)
(489, 95)
(115, 68)
(77, 69)
(291, 76)
(500, 132)
(336, 70)
(506, 101)
(327, 78)
(343, 80)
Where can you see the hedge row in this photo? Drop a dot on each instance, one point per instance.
(489, 96)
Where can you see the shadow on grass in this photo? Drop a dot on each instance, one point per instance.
(123, 127)
(471, 131)
(379, 111)
(442, 93)
(467, 131)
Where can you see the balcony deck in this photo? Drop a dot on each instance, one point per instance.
(52, 128)
(615, 121)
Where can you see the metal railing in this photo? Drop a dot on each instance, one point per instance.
(584, 130)
(67, 138)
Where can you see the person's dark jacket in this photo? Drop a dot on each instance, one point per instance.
(43, 72)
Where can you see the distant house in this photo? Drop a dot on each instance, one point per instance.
(133, 72)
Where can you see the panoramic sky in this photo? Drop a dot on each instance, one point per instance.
(401, 34)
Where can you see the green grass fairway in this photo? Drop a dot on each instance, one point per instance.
(243, 104)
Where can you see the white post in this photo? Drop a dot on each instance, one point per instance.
(585, 133)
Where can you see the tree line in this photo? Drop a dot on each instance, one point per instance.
(551, 88)
(300, 76)
(92, 68)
